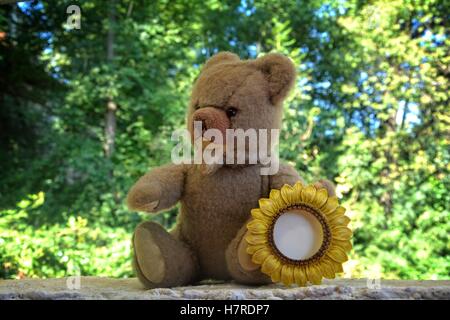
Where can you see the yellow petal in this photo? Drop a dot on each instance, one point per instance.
(346, 245)
(313, 274)
(276, 274)
(287, 274)
(251, 249)
(337, 267)
(336, 213)
(337, 254)
(340, 220)
(256, 239)
(308, 194)
(297, 193)
(275, 195)
(270, 264)
(331, 205)
(267, 207)
(300, 276)
(287, 194)
(257, 226)
(321, 198)
(257, 214)
(341, 233)
(260, 255)
(327, 269)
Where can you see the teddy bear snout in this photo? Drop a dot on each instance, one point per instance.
(212, 118)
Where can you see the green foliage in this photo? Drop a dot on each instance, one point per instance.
(370, 112)
(76, 247)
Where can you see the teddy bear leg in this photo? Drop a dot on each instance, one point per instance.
(239, 263)
(161, 260)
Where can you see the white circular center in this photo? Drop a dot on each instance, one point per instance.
(297, 234)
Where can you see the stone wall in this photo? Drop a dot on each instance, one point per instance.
(107, 288)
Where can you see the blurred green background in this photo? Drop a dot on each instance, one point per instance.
(370, 111)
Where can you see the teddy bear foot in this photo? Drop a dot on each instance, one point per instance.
(160, 260)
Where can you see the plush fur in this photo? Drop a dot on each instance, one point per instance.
(207, 241)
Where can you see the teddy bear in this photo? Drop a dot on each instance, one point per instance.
(207, 241)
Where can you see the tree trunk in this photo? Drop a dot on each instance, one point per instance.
(111, 106)
(405, 113)
(386, 198)
(13, 24)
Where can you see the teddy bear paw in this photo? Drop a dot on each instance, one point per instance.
(148, 255)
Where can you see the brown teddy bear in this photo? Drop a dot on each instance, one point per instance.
(207, 241)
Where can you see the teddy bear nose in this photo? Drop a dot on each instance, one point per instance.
(212, 118)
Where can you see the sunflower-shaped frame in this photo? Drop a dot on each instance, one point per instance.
(326, 261)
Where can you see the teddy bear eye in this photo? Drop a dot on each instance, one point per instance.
(231, 112)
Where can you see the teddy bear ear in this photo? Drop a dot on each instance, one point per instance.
(221, 57)
(280, 74)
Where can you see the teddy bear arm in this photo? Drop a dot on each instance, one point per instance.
(285, 175)
(159, 189)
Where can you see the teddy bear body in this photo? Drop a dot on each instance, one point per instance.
(221, 206)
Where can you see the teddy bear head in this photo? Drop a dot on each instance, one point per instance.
(231, 93)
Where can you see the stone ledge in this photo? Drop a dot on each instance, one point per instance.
(111, 289)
